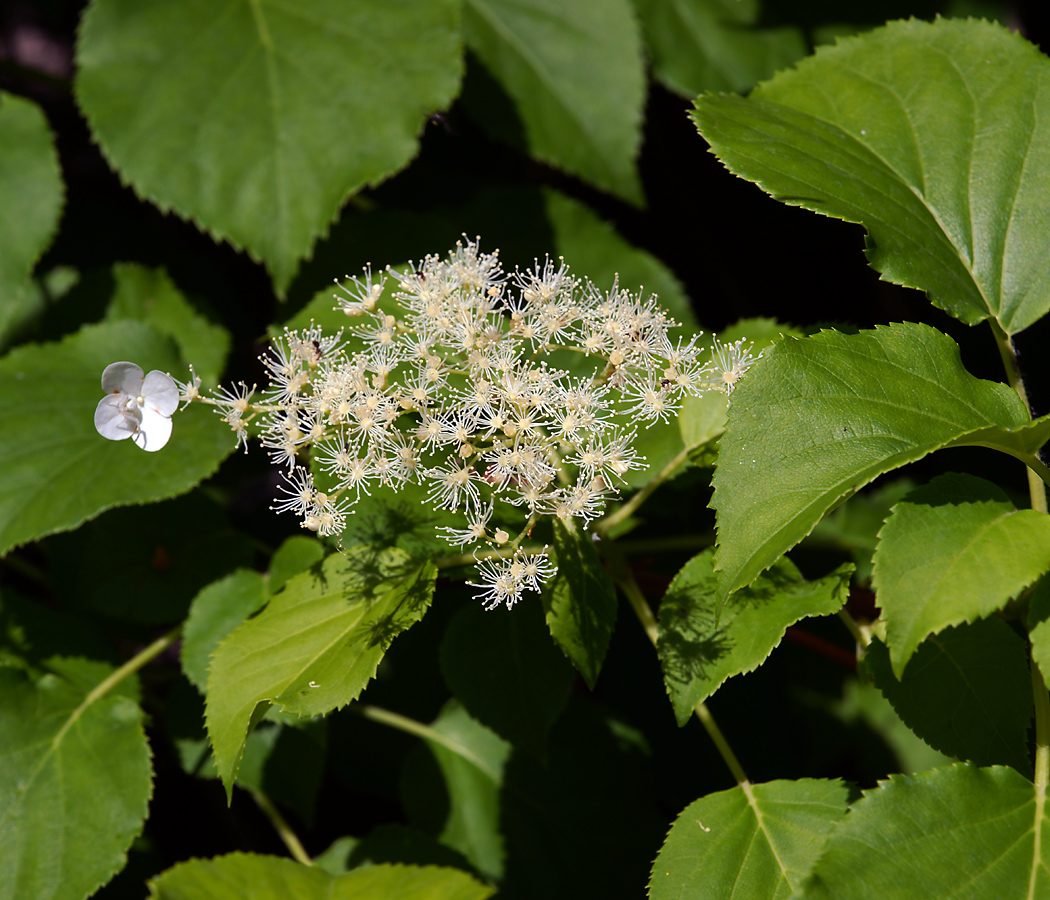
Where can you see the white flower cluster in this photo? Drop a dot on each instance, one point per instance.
(448, 381)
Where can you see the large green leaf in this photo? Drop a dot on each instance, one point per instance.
(257, 118)
(505, 669)
(967, 692)
(580, 603)
(75, 783)
(150, 296)
(818, 418)
(240, 875)
(755, 842)
(934, 136)
(714, 45)
(953, 551)
(952, 832)
(55, 469)
(31, 185)
(315, 646)
(574, 71)
(699, 649)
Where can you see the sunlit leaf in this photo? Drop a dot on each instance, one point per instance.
(75, 782)
(315, 646)
(754, 841)
(818, 418)
(957, 831)
(953, 551)
(699, 649)
(574, 71)
(934, 136)
(258, 119)
(55, 468)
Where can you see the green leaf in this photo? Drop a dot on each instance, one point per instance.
(966, 693)
(472, 759)
(818, 418)
(1039, 624)
(296, 554)
(286, 761)
(239, 875)
(714, 45)
(216, 611)
(934, 136)
(753, 841)
(574, 70)
(75, 784)
(504, 668)
(31, 185)
(580, 603)
(55, 469)
(150, 296)
(957, 831)
(315, 646)
(953, 551)
(258, 119)
(699, 649)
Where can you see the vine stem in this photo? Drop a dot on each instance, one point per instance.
(1042, 767)
(625, 579)
(605, 525)
(281, 826)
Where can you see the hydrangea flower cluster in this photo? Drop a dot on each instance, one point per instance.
(449, 381)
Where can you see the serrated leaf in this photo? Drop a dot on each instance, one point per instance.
(755, 841)
(967, 692)
(237, 875)
(818, 418)
(315, 646)
(934, 136)
(580, 603)
(574, 70)
(504, 668)
(75, 783)
(215, 612)
(953, 551)
(150, 296)
(714, 45)
(258, 119)
(699, 649)
(957, 831)
(295, 555)
(55, 469)
(31, 185)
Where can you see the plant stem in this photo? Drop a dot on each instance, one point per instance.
(283, 829)
(107, 684)
(1042, 766)
(623, 576)
(606, 525)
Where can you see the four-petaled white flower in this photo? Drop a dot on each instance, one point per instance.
(136, 407)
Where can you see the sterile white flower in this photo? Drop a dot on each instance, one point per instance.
(136, 407)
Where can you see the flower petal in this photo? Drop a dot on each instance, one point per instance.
(154, 430)
(111, 419)
(160, 392)
(122, 376)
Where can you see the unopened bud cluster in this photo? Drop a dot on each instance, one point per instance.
(447, 381)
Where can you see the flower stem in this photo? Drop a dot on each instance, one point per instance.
(606, 525)
(623, 576)
(283, 829)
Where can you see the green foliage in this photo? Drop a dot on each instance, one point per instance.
(820, 417)
(574, 71)
(938, 834)
(59, 473)
(270, 878)
(580, 603)
(31, 185)
(75, 783)
(953, 551)
(306, 105)
(903, 131)
(315, 646)
(755, 841)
